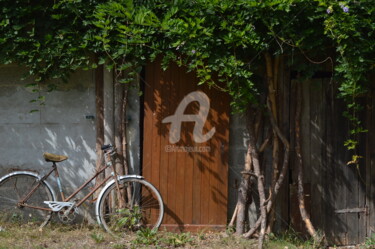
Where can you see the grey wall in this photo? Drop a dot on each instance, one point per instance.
(60, 126)
(64, 125)
(238, 140)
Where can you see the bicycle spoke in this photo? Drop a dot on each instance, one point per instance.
(13, 189)
(143, 207)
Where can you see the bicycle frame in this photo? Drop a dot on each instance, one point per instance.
(54, 169)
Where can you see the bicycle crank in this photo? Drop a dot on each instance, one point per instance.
(67, 214)
(66, 211)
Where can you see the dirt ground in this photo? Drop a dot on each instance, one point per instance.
(91, 237)
(63, 236)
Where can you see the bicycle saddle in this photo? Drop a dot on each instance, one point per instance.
(49, 157)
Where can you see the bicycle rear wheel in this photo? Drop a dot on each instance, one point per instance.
(13, 188)
(138, 205)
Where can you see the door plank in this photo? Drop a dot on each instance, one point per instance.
(193, 182)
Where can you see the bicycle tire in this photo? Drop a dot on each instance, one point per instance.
(17, 185)
(141, 207)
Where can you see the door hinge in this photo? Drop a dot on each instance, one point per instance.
(352, 210)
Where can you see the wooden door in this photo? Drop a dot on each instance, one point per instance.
(185, 147)
(339, 196)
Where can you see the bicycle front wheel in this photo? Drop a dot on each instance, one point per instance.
(132, 205)
(15, 187)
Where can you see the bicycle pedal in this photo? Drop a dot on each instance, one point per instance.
(58, 205)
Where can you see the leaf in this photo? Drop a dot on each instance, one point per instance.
(101, 60)
(355, 160)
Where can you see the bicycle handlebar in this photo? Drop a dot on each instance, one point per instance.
(109, 149)
(107, 146)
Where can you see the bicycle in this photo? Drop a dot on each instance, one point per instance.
(126, 203)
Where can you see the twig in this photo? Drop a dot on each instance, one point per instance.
(231, 223)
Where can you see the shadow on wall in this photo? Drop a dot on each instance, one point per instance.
(185, 145)
(64, 125)
(333, 187)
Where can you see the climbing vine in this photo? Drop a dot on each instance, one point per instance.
(351, 25)
(221, 38)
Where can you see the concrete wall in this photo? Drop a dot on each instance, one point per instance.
(62, 126)
(238, 139)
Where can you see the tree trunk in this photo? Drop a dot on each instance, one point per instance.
(272, 69)
(244, 197)
(278, 173)
(260, 179)
(281, 176)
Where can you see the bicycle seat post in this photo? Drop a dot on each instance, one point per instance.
(54, 166)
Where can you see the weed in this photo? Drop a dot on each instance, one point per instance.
(146, 236)
(369, 242)
(97, 237)
(201, 235)
(230, 230)
(130, 218)
(290, 239)
(177, 239)
(232, 241)
(16, 218)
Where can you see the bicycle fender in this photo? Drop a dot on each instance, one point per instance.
(31, 174)
(106, 187)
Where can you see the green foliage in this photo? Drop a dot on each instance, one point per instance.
(350, 25)
(177, 239)
(97, 237)
(230, 230)
(146, 237)
(42, 36)
(370, 242)
(290, 239)
(223, 42)
(129, 218)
